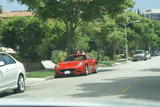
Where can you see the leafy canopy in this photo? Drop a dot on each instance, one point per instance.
(75, 10)
(24, 35)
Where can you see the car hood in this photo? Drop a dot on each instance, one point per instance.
(69, 64)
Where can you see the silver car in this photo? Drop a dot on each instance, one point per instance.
(12, 74)
(139, 55)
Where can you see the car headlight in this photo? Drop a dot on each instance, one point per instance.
(56, 66)
(80, 64)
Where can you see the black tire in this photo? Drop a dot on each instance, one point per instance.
(134, 60)
(21, 84)
(56, 76)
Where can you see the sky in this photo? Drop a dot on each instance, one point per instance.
(11, 6)
(140, 4)
(147, 4)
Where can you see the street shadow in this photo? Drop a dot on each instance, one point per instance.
(4, 94)
(136, 87)
(152, 70)
(11, 93)
(105, 70)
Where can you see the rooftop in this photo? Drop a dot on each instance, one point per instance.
(152, 11)
(16, 13)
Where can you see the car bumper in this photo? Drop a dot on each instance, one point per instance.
(138, 58)
(70, 71)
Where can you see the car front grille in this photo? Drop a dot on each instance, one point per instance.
(63, 70)
(138, 57)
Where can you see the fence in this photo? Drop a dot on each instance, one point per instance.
(31, 66)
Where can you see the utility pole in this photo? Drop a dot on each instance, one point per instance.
(126, 41)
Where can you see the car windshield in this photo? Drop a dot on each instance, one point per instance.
(75, 58)
(139, 52)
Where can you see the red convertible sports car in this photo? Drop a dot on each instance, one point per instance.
(76, 65)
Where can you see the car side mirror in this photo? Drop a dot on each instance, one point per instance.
(2, 63)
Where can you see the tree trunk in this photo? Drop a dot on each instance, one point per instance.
(70, 35)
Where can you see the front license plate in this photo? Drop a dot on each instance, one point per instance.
(67, 72)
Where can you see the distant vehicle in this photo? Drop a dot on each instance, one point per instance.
(139, 55)
(148, 56)
(157, 53)
(76, 65)
(12, 74)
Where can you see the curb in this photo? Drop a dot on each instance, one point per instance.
(49, 78)
(117, 63)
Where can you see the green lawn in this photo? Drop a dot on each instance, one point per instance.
(39, 74)
(105, 63)
(109, 63)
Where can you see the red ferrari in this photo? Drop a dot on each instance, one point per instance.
(76, 65)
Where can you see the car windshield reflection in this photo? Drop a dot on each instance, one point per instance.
(75, 58)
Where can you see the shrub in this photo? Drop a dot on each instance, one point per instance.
(92, 54)
(106, 58)
(58, 56)
(118, 57)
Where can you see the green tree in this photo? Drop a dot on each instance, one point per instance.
(54, 38)
(142, 35)
(157, 32)
(115, 40)
(112, 38)
(105, 37)
(24, 35)
(146, 32)
(75, 12)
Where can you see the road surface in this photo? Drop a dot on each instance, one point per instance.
(131, 81)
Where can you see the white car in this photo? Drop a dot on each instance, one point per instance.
(148, 56)
(139, 55)
(12, 74)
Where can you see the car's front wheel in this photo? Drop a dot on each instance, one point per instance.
(21, 84)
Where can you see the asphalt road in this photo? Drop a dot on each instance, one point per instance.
(131, 81)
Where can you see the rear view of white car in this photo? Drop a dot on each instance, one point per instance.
(12, 74)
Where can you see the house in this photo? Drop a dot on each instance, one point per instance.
(7, 50)
(6, 15)
(152, 13)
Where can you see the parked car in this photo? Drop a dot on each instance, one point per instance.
(76, 65)
(157, 53)
(139, 55)
(148, 56)
(12, 74)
